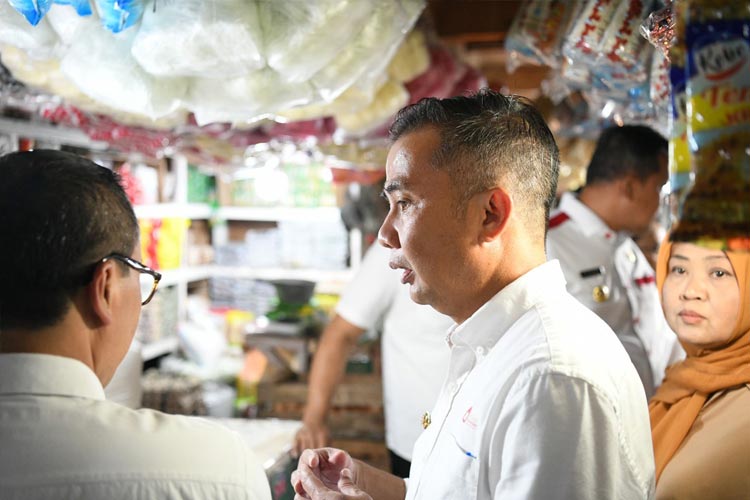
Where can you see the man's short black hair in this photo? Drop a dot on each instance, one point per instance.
(626, 150)
(488, 139)
(59, 215)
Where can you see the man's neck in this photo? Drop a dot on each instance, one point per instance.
(600, 199)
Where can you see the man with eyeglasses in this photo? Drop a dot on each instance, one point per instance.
(71, 291)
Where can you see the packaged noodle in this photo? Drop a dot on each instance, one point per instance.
(717, 39)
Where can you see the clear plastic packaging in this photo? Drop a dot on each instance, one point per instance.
(38, 41)
(32, 10)
(257, 95)
(82, 7)
(717, 47)
(538, 30)
(101, 65)
(206, 38)
(118, 15)
(370, 51)
(302, 37)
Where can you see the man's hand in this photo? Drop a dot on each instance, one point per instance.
(311, 435)
(327, 474)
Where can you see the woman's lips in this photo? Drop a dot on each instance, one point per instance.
(691, 317)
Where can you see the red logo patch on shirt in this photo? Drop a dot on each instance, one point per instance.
(558, 219)
(644, 280)
(468, 420)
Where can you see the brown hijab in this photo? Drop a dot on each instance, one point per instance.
(689, 383)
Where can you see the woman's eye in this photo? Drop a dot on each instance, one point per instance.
(677, 270)
(719, 273)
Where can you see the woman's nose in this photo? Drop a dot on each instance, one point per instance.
(694, 289)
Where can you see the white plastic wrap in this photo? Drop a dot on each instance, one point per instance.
(206, 38)
(390, 98)
(66, 22)
(248, 98)
(411, 59)
(38, 41)
(101, 65)
(302, 37)
(371, 50)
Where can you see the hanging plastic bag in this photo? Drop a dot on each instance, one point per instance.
(537, 32)
(257, 95)
(586, 34)
(82, 7)
(100, 63)
(66, 22)
(622, 49)
(32, 10)
(371, 50)
(39, 41)
(303, 37)
(206, 38)
(118, 15)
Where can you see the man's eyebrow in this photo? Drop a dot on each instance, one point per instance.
(392, 186)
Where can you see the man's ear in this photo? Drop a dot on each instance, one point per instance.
(627, 186)
(497, 209)
(101, 292)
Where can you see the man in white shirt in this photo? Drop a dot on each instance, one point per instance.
(71, 291)
(590, 234)
(415, 357)
(541, 400)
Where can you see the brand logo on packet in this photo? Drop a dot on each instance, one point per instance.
(722, 59)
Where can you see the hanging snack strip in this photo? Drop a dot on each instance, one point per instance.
(716, 209)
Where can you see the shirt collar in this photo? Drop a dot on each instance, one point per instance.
(585, 218)
(490, 322)
(47, 375)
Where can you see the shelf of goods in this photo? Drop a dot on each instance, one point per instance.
(329, 281)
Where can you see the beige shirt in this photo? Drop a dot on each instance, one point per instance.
(714, 459)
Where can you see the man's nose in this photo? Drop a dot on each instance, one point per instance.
(387, 235)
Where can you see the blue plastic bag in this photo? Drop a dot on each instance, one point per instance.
(118, 15)
(32, 10)
(82, 7)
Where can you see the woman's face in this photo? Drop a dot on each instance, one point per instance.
(701, 296)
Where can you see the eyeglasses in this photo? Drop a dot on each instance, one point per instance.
(148, 277)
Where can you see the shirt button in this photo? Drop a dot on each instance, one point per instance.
(631, 256)
(480, 351)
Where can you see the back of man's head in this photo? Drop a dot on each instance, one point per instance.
(624, 151)
(59, 215)
(489, 139)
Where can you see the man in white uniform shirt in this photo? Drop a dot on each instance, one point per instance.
(71, 291)
(415, 357)
(590, 234)
(541, 400)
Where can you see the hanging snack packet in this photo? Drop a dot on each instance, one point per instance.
(587, 32)
(117, 15)
(717, 36)
(622, 45)
(659, 28)
(538, 30)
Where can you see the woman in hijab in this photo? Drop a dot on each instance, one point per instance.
(700, 416)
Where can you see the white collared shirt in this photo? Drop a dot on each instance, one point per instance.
(61, 439)
(541, 401)
(415, 354)
(582, 242)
